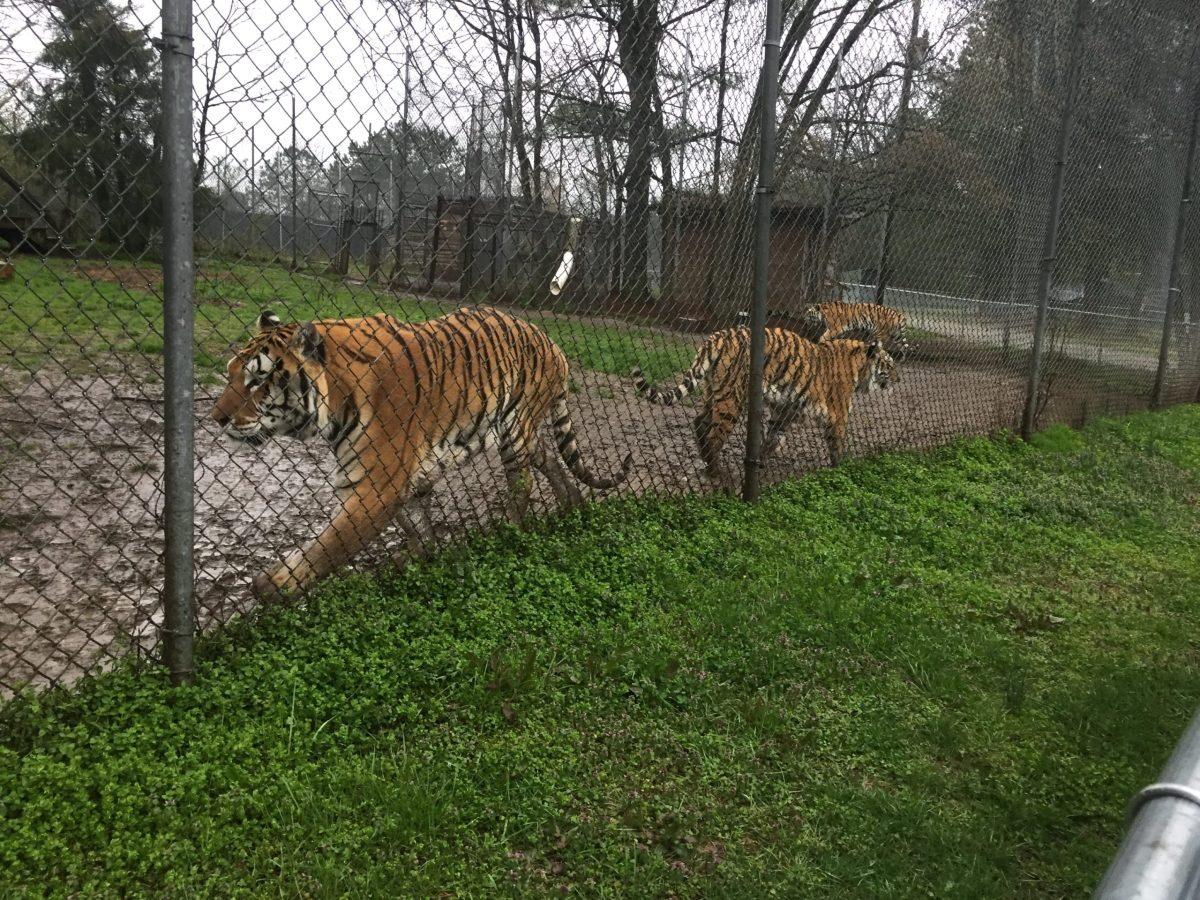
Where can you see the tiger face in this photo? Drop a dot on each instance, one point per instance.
(269, 393)
(812, 323)
(881, 371)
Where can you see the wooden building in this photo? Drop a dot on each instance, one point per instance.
(492, 246)
(696, 291)
(28, 224)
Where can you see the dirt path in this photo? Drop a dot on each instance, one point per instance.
(81, 495)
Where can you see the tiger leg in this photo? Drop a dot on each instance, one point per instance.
(362, 518)
(835, 435)
(550, 464)
(416, 520)
(712, 427)
(782, 418)
(517, 445)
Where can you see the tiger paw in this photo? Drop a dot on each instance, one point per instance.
(264, 588)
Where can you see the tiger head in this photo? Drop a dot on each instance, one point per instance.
(271, 389)
(812, 323)
(880, 372)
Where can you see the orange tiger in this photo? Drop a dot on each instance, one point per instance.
(399, 403)
(858, 321)
(798, 376)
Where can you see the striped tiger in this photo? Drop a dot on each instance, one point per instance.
(399, 403)
(798, 376)
(857, 321)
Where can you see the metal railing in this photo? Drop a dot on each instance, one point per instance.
(1160, 856)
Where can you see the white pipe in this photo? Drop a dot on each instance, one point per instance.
(568, 258)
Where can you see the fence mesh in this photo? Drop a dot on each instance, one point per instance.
(586, 168)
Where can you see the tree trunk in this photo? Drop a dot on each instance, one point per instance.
(637, 45)
(514, 96)
(735, 233)
(539, 129)
(721, 88)
(618, 237)
(669, 208)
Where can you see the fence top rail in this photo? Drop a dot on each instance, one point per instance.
(1148, 320)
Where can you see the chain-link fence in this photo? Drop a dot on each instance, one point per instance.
(585, 172)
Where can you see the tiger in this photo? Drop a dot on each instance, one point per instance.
(399, 403)
(859, 321)
(798, 376)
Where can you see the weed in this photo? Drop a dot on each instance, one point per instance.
(58, 311)
(916, 675)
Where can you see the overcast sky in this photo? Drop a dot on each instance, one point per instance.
(344, 63)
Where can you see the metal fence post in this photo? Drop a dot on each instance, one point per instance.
(468, 249)
(1160, 856)
(1181, 217)
(178, 613)
(437, 239)
(295, 204)
(1054, 218)
(398, 179)
(762, 248)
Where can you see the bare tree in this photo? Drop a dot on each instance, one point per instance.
(512, 30)
(225, 80)
(722, 87)
(817, 34)
(639, 27)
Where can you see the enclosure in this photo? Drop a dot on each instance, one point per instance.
(1012, 175)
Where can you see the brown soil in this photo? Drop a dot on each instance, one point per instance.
(134, 278)
(127, 276)
(81, 494)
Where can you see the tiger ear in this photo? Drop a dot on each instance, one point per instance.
(267, 320)
(309, 343)
(873, 349)
(814, 323)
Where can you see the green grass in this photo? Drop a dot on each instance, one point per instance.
(917, 675)
(57, 312)
(616, 352)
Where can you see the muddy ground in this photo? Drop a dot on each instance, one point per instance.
(81, 494)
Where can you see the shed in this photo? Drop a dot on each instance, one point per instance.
(493, 244)
(27, 223)
(796, 271)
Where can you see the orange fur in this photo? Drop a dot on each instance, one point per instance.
(857, 321)
(798, 376)
(399, 403)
